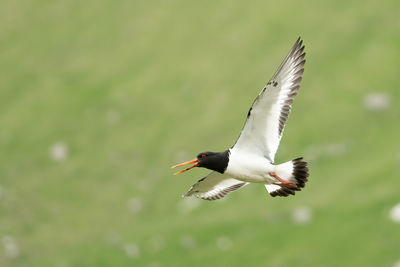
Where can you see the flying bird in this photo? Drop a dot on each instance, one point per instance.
(251, 158)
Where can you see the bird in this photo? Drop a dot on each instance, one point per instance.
(251, 158)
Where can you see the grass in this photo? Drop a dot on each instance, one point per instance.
(132, 88)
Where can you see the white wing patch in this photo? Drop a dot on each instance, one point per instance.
(271, 187)
(214, 186)
(266, 119)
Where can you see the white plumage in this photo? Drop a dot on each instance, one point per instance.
(251, 159)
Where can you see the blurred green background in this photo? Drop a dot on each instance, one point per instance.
(99, 98)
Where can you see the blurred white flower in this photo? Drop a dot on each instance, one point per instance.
(335, 149)
(59, 151)
(132, 250)
(188, 204)
(135, 205)
(188, 242)
(332, 149)
(156, 243)
(302, 215)
(113, 239)
(112, 117)
(397, 264)
(377, 101)
(224, 243)
(155, 264)
(398, 157)
(10, 247)
(395, 213)
(144, 185)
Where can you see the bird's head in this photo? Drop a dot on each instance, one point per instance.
(216, 161)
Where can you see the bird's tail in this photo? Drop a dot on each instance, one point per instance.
(294, 171)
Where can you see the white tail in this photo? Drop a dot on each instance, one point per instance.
(294, 171)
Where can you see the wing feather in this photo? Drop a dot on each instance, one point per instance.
(214, 186)
(267, 116)
(276, 190)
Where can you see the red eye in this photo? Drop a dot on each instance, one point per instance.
(203, 156)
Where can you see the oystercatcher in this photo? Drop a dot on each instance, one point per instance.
(251, 158)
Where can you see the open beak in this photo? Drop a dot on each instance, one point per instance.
(196, 161)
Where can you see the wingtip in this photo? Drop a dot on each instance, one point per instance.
(298, 46)
(299, 42)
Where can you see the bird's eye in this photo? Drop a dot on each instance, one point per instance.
(203, 156)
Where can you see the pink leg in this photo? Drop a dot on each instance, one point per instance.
(283, 183)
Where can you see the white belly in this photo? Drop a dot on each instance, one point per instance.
(250, 168)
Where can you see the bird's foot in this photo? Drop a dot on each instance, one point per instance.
(283, 182)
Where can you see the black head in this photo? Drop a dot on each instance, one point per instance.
(216, 161)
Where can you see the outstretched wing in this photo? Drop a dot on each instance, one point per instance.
(214, 186)
(266, 119)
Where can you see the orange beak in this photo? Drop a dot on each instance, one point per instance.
(196, 161)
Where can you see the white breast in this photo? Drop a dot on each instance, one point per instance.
(249, 167)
